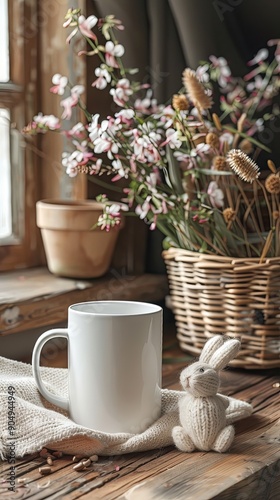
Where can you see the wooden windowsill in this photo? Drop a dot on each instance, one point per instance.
(33, 298)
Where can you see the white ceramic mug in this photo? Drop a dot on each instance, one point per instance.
(114, 365)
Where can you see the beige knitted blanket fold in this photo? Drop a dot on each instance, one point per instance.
(37, 424)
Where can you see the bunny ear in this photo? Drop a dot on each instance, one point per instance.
(225, 354)
(210, 348)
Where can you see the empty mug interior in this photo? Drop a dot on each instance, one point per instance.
(115, 308)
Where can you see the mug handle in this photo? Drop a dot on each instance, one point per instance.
(50, 334)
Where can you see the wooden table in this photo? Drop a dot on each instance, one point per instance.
(251, 470)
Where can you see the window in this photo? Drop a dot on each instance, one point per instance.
(5, 186)
(18, 63)
(4, 42)
(33, 47)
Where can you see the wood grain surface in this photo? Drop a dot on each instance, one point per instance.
(250, 470)
(48, 303)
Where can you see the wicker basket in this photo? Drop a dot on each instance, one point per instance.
(235, 297)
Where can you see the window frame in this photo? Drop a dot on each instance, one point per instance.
(33, 25)
(20, 96)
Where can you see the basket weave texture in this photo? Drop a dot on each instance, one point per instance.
(220, 295)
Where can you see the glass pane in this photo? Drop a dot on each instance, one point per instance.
(5, 184)
(4, 42)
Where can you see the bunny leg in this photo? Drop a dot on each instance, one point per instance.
(182, 440)
(224, 439)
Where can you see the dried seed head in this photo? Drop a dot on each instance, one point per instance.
(82, 169)
(246, 146)
(272, 184)
(22, 481)
(275, 214)
(86, 462)
(220, 163)
(229, 215)
(195, 90)
(78, 467)
(242, 165)
(78, 458)
(271, 166)
(45, 470)
(213, 140)
(217, 122)
(180, 102)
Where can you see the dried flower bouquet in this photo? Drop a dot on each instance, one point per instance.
(190, 172)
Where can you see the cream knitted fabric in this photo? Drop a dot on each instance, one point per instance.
(39, 424)
(202, 411)
(203, 424)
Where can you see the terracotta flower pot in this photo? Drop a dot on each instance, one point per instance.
(73, 249)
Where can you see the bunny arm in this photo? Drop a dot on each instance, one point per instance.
(224, 399)
(236, 409)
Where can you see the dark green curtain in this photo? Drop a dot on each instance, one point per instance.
(162, 37)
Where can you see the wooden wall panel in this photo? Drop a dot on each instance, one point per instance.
(56, 56)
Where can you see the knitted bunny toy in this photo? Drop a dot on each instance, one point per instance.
(202, 411)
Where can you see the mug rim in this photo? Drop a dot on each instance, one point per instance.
(153, 308)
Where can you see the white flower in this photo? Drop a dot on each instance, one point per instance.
(152, 181)
(202, 148)
(226, 137)
(261, 55)
(94, 128)
(60, 83)
(216, 195)
(146, 105)
(111, 52)
(105, 144)
(255, 84)
(85, 25)
(259, 124)
(122, 92)
(118, 167)
(224, 70)
(124, 116)
(70, 161)
(142, 210)
(103, 77)
(166, 116)
(113, 209)
(76, 130)
(172, 138)
(202, 73)
(50, 121)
